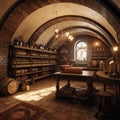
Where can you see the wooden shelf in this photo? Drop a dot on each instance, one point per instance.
(33, 49)
(21, 66)
(40, 77)
(22, 74)
(29, 64)
(100, 53)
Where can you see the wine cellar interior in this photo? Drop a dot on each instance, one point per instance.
(62, 41)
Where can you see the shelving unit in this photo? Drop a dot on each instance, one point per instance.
(63, 56)
(29, 64)
(100, 53)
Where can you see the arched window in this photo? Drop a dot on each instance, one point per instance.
(80, 52)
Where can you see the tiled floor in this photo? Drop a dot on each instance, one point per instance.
(42, 94)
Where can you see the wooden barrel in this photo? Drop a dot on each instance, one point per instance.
(8, 86)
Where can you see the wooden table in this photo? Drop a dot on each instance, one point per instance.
(86, 76)
(106, 79)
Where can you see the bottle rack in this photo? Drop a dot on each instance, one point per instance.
(100, 53)
(63, 56)
(28, 64)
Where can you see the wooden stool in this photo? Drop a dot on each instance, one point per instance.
(104, 108)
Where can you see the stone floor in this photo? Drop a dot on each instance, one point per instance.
(42, 94)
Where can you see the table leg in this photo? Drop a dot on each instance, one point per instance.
(68, 83)
(57, 86)
(89, 84)
(117, 92)
(90, 89)
(105, 86)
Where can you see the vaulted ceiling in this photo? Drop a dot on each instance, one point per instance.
(35, 21)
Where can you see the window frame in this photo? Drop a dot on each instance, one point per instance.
(75, 54)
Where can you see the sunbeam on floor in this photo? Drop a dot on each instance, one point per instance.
(35, 95)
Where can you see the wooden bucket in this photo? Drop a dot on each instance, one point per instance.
(8, 86)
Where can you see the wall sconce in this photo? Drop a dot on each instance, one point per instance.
(96, 44)
(112, 61)
(115, 48)
(117, 64)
